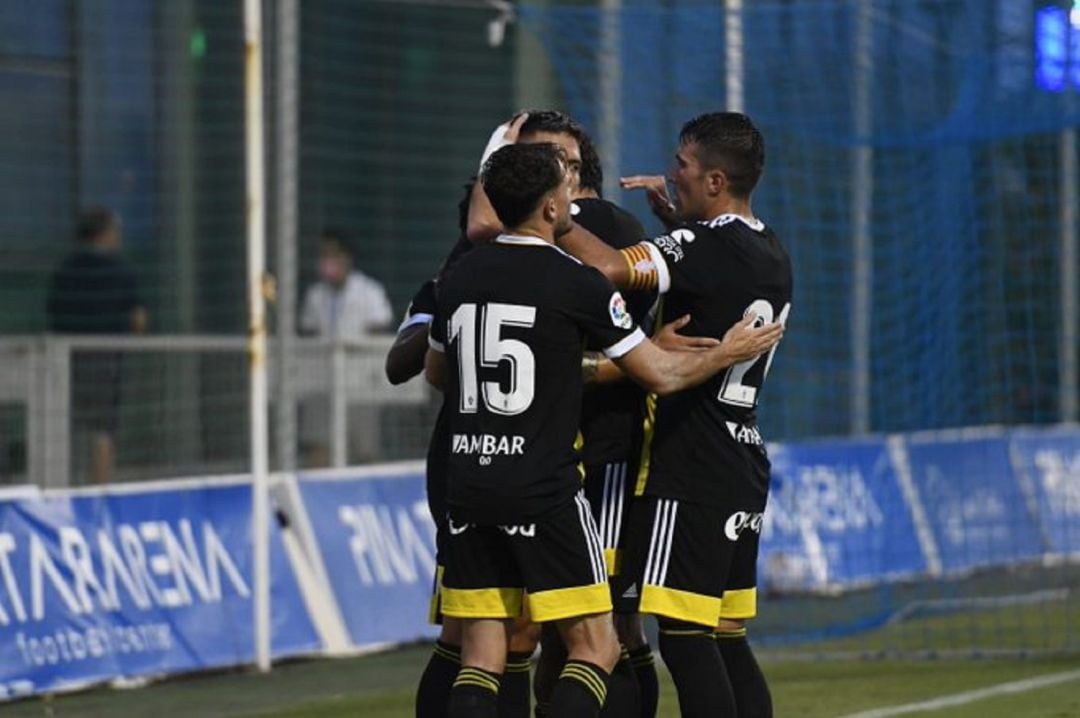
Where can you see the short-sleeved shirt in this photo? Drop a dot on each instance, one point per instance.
(513, 317)
(611, 413)
(351, 311)
(92, 292)
(705, 440)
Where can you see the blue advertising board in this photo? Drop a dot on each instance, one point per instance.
(1048, 462)
(836, 517)
(377, 541)
(101, 586)
(972, 499)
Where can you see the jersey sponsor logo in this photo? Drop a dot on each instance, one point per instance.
(672, 244)
(744, 434)
(683, 235)
(487, 445)
(524, 530)
(740, 521)
(456, 529)
(620, 317)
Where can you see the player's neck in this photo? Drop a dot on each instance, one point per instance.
(530, 230)
(730, 205)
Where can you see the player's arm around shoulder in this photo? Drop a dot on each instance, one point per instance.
(667, 372)
(641, 266)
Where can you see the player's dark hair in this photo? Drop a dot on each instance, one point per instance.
(463, 205)
(336, 238)
(728, 141)
(94, 222)
(555, 122)
(591, 176)
(516, 177)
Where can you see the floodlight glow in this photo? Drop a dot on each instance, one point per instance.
(1051, 47)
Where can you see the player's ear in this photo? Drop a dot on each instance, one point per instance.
(551, 211)
(716, 182)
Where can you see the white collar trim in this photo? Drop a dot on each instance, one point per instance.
(755, 224)
(523, 239)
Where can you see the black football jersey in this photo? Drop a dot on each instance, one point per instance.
(611, 413)
(421, 311)
(513, 317)
(705, 445)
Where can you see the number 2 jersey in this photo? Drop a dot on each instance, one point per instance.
(703, 445)
(512, 319)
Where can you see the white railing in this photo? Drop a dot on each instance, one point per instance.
(35, 372)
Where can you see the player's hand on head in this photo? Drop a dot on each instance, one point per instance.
(513, 128)
(503, 135)
(656, 192)
(669, 339)
(744, 341)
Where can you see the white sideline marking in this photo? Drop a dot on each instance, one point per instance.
(959, 699)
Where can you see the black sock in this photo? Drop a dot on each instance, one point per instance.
(433, 693)
(752, 696)
(692, 656)
(641, 658)
(514, 689)
(475, 694)
(580, 692)
(548, 667)
(623, 695)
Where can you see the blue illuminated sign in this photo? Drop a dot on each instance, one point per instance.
(1057, 47)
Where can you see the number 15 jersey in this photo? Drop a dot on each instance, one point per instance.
(703, 445)
(512, 319)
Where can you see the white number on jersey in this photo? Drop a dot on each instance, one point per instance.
(493, 350)
(733, 390)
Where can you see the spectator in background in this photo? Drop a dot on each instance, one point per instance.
(94, 291)
(345, 304)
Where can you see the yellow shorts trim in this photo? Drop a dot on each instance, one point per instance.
(436, 597)
(562, 603)
(612, 559)
(739, 604)
(648, 423)
(481, 602)
(680, 605)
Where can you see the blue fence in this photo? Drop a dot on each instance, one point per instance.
(98, 587)
(151, 581)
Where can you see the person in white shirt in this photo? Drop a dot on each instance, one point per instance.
(345, 304)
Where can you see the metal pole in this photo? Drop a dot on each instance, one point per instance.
(610, 93)
(286, 224)
(256, 266)
(1070, 335)
(862, 251)
(339, 406)
(735, 95)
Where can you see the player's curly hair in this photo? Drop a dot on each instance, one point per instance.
(516, 177)
(592, 174)
(728, 141)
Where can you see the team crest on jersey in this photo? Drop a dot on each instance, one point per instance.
(620, 317)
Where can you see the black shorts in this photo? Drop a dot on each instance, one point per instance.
(435, 616)
(557, 560)
(609, 488)
(692, 562)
